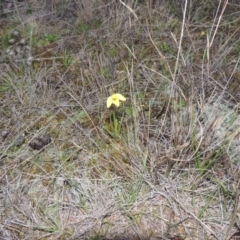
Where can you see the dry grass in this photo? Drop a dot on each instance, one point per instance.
(171, 168)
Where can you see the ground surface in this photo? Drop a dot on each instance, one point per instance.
(164, 164)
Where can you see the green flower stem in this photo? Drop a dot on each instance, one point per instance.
(115, 121)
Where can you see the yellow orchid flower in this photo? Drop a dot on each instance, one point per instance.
(115, 99)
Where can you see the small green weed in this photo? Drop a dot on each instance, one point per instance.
(46, 40)
(112, 52)
(5, 40)
(51, 38)
(204, 165)
(115, 127)
(86, 26)
(67, 60)
(6, 87)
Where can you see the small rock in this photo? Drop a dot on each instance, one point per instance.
(11, 53)
(15, 33)
(45, 139)
(18, 49)
(39, 142)
(26, 52)
(29, 61)
(8, 50)
(12, 41)
(22, 41)
(4, 134)
(35, 144)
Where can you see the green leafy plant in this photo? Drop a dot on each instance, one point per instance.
(46, 40)
(5, 87)
(112, 52)
(86, 26)
(66, 60)
(51, 38)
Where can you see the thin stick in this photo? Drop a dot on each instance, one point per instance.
(180, 41)
(224, 7)
(130, 9)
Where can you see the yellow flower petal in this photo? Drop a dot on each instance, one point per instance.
(116, 102)
(120, 97)
(109, 102)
